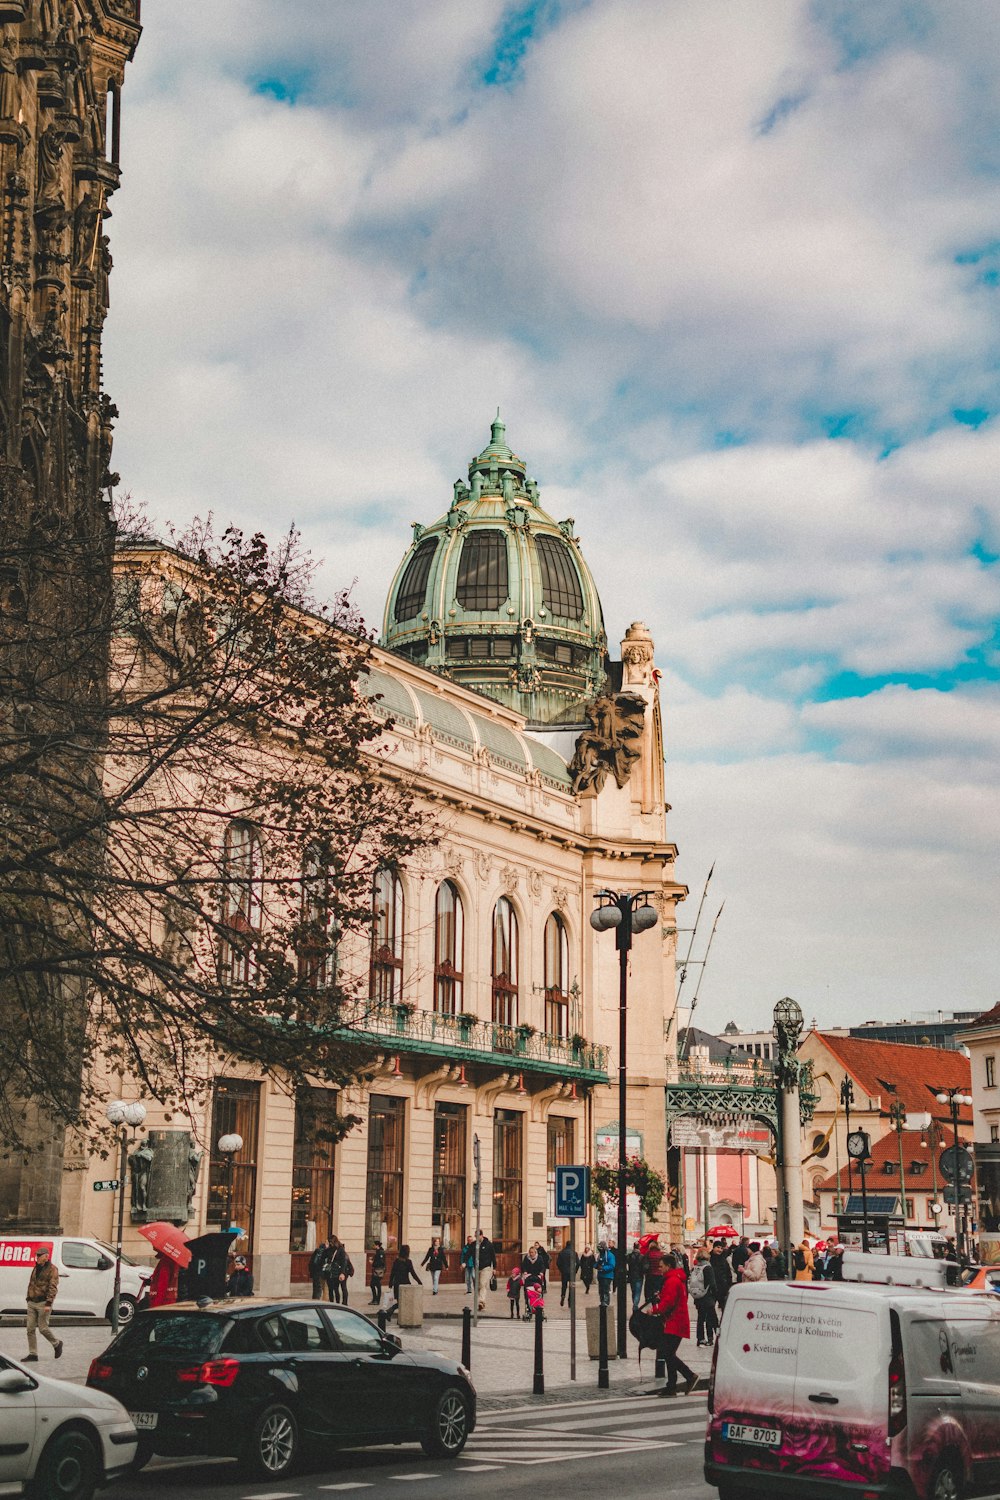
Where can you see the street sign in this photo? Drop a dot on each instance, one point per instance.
(572, 1192)
(964, 1194)
(108, 1185)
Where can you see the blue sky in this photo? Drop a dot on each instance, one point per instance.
(732, 274)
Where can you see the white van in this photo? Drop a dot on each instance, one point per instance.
(86, 1275)
(827, 1388)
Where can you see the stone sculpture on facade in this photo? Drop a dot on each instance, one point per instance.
(140, 1164)
(611, 744)
(194, 1167)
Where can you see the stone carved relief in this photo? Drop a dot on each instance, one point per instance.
(509, 877)
(611, 744)
(637, 656)
(534, 885)
(483, 866)
(560, 896)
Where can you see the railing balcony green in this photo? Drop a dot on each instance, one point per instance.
(466, 1038)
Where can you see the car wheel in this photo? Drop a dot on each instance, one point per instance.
(67, 1470)
(126, 1309)
(947, 1481)
(449, 1427)
(273, 1446)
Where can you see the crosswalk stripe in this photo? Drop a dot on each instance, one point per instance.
(541, 1413)
(563, 1456)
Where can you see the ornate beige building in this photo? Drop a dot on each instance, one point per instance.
(489, 1000)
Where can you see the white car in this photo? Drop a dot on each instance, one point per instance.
(59, 1440)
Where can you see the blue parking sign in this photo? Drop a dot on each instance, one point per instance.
(572, 1192)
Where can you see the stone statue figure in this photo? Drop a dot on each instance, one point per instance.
(51, 145)
(611, 744)
(139, 1164)
(194, 1167)
(8, 75)
(86, 222)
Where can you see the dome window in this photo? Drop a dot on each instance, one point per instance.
(413, 589)
(561, 591)
(482, 571)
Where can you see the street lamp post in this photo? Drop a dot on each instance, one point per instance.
(228, 1146)
(897, 1115)
(129, 1117)
(847, 1099)
(954, 1098)
(930, 1137)
(627, 913)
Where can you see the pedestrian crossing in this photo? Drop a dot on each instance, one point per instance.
(592, 1429)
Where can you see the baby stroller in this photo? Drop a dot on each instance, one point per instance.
(534, 1298)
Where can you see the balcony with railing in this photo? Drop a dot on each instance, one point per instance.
(465, 1038)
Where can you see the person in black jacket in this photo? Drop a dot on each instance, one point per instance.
(567, 1263)
(402, 1274)
(719, 1261)
(588, 1265)
(335, 1271)
(317, 1261)
(436, 1261)
(635, 1270)
(378, 1271)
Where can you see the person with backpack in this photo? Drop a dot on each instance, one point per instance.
(802, 1261)
(378, 1271)
(606, 1262)
(317, 1261)
(701, 1285)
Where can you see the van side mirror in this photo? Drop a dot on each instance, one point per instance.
(15, 1382)
(104, 1264)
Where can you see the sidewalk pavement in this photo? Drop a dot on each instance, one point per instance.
(502, 1350)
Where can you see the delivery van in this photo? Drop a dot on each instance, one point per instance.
(86, 1275)
(821, 1389)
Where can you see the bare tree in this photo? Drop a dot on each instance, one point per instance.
(189, 901)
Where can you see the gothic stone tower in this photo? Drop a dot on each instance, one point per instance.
(62, 64)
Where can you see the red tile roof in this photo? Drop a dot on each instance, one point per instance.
(896, 1070)
(988, 1018)
(887, 1150)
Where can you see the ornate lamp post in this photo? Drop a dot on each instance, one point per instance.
(847, 1099)
(954, 1098)
(897, 1115)
(228, 1146)
(626, 913)
(129, 1116)
(787, 1030)
(930, 1138)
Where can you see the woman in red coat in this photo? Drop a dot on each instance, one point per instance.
(672, 1306)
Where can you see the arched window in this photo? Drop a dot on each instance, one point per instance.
(482, 571)
(413, 588)
(387, 937)
(556, 973)
(504, 963)
(242, 901)
(561, 591)
(318, 943)
(449, 947)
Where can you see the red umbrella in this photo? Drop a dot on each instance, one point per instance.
(723, 1232)
(166, 1239)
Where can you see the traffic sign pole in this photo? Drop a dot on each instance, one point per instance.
(572, 1198)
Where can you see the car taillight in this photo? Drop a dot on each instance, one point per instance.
(99, 1370)
(711, 1379)
(897, 1379)
(214, 1372)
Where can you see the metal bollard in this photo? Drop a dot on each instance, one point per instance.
(538, 1388)
(381, 1320)
(467, 1337)
(603, 1377)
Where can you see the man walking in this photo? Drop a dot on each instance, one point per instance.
(606, 1262)
(42, 1289)
(317, 1261)
(567, 1263)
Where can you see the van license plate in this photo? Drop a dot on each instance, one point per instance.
(143, 1421)
(757, 1437)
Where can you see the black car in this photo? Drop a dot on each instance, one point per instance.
(263, 1381)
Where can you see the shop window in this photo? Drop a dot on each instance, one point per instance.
(313, 1166)
(508, 1155)
(386, 1167)
(449, 945)
(448, 1207)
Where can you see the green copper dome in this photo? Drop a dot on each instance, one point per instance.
(497, 595)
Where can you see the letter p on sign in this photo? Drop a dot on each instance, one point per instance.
(572, 1192)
